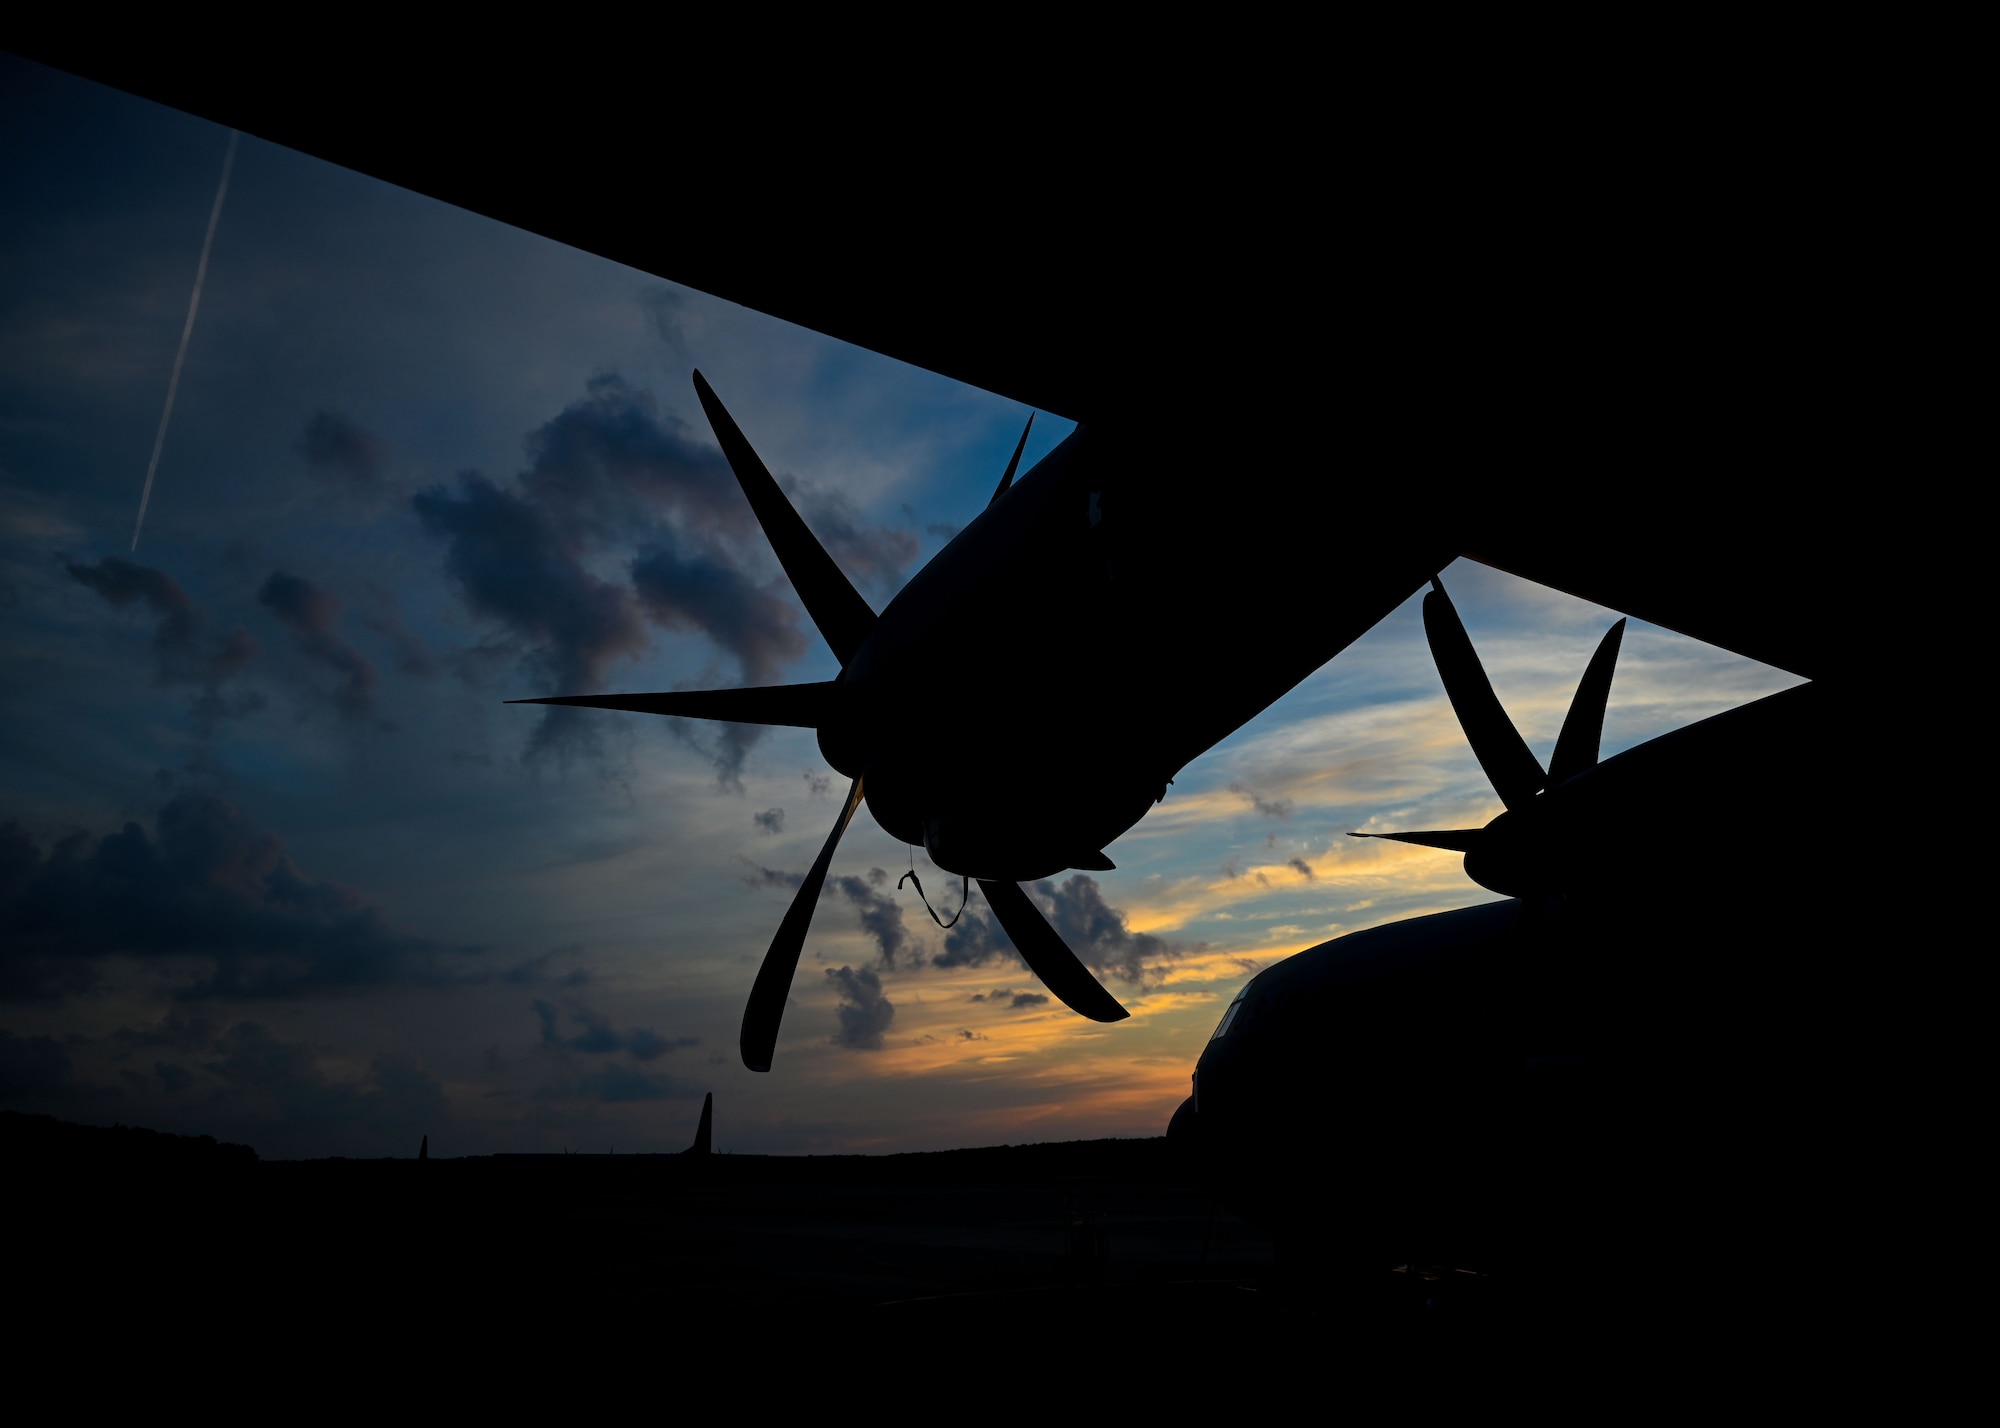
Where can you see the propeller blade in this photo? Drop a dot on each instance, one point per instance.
(766, 1007)
(1459, 840)
(1515, 773)
(1013, 461)
(802, 706)
(1047, 955)
(1583, 726)
(836, 607)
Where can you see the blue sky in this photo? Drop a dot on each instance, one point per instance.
(281, 867)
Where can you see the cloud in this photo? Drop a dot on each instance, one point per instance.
(539, 971)
(311, 613)
(514, 566)
(865, 1011)
(1013, 1000)
(611, 462)
(599, 1038)
(614, 1084)
(1094, 930)
(771, 821)
(1097, 933)
(385, 621)
(614, 484)
(973, 941)
(871, 555)
(342, 452)
(880, 916)
(184, 653)
(609, 1082)
(878, 913)
(209, 889)
(666, 310)
(396, 1102)
(693, 589)
(1269, 807)
(1301, 867)
(683, 589)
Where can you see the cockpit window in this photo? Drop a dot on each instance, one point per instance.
(1230, 1015)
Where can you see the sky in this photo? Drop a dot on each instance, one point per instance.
(277, 863)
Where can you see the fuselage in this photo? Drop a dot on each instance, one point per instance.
(1485, 1086)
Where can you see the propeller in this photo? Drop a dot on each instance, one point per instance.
(1512, 768)
(1007, 477)
(846, 620)
(766, 1008)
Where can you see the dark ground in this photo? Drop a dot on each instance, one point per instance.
(1084, 1252)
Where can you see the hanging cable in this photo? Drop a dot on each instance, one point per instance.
(965, 894)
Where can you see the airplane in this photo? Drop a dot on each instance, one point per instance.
(1310, 371)
(1494, 1072)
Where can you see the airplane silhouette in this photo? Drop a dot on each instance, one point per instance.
(1489, 1073)
(1309, 374)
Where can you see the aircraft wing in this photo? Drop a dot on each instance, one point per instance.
(1609, 373)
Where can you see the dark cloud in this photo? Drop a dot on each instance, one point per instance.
(609, 1082)
(1301, 867)
(394, 1103)
(1011, 999)
(1097, 933)
(311, 614)
(645, 1046)
(685, 589)
(540, 971)
(775, 879)
(179, 1031)
(185, 654)
(865, 1011)
(758, 625)
(665, 309)
(381, 618)
(880, 916)
(210, 888)
(871, 555)
(817, 785)
(597, 1037)
(878, 913)
(1269, 807)
(771, 820)
(975, 940)
(611, 463)
(612, 481)
(342, 451)
(1094, 930)
(513, 565)
(614, 1083)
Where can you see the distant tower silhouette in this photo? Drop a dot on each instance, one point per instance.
(704, 1133)
(424, 1150)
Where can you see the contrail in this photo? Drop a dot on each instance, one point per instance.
(187, 330)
